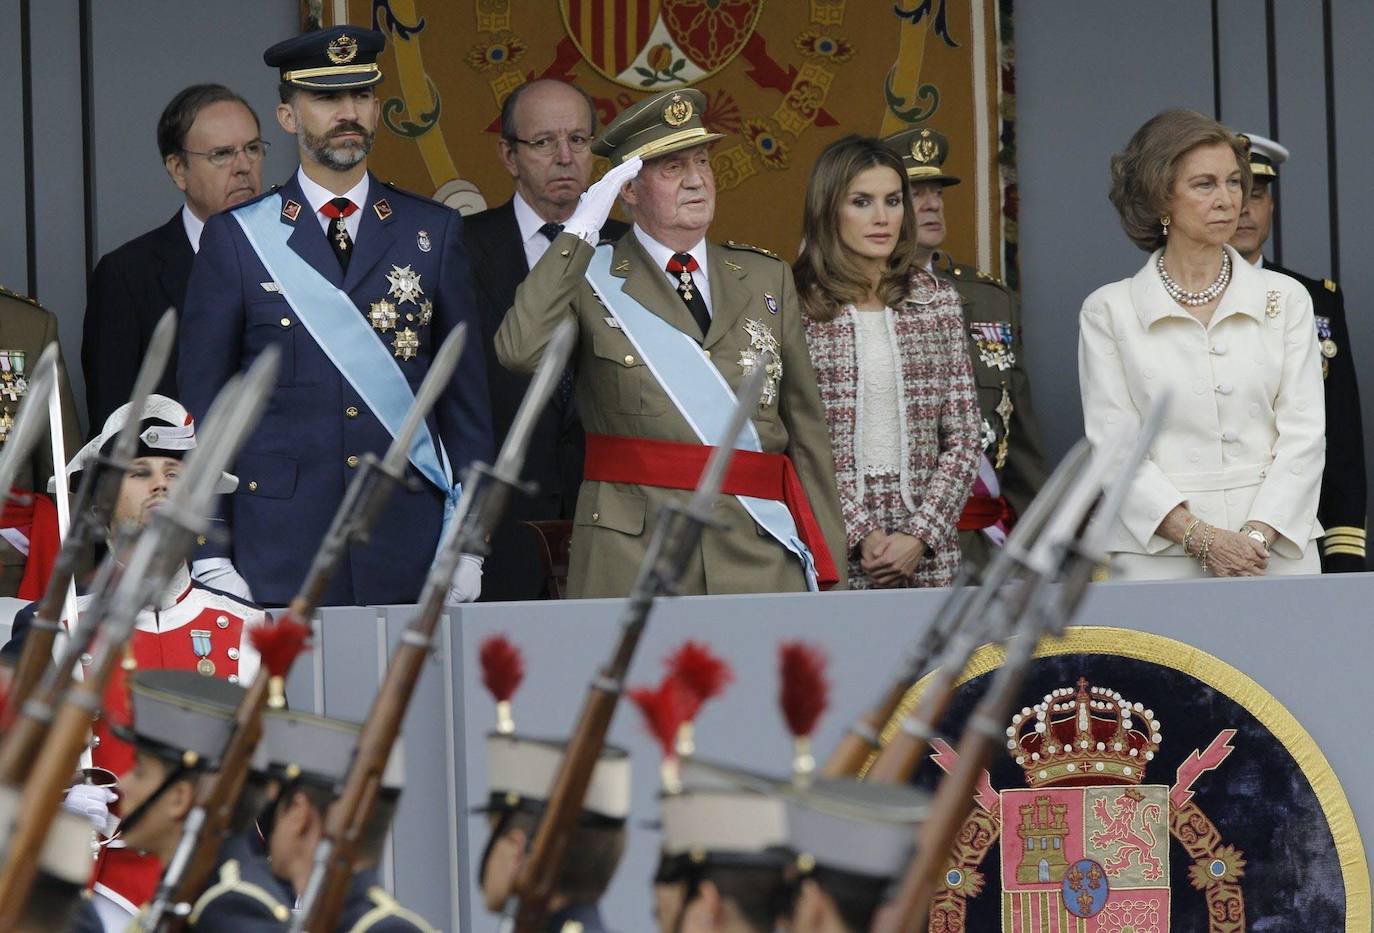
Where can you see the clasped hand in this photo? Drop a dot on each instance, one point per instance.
(890, 559)
(1233, 554)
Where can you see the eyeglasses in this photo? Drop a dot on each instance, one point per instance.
(223, 155)
(547, 145)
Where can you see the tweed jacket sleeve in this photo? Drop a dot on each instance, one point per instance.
(938, 377)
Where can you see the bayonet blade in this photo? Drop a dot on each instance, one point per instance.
(546, 376)
(149, 375)
(436, 380)
(746, 404)
(30, 420)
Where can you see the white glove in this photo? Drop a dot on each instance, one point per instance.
(219, 573)
(467, 581)
(93, 803)
(596, 202)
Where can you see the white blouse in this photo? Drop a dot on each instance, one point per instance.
(880, 441)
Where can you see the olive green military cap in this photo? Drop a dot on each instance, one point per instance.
(656, 126)
(923, 152)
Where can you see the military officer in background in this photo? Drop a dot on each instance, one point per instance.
(356, 283)
(1012, 468)
(26, 329)
(1341, 509)
(684, 320)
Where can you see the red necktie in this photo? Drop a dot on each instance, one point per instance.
(683, 265)
(339, 240)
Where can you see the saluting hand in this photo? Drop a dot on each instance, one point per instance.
(597, 201)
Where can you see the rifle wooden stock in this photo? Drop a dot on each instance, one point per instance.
(45, 788)
(353, 807)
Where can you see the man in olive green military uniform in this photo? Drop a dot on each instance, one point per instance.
(1342, 508)
(26, 329)
(1012, 468)
(683, 320)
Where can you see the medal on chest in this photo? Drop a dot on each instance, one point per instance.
(201, 646)
(762, 343)
(993, 340)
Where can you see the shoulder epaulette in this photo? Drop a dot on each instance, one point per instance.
(989, 277)
(231, 882)
(731, 244)
(1330, 285)
(387, 906)
(10, 293)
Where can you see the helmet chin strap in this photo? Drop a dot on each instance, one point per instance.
(178, 772)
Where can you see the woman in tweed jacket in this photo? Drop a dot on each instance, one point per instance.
(887, 342)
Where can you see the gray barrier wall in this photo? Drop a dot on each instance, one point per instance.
(1308, 641)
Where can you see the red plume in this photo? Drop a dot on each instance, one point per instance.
(664, 708)
(699, 670)
(503, 667)
(280, 642)
(805, 692)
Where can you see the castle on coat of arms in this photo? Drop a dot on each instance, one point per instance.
(1044, 827)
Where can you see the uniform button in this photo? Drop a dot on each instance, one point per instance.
(352, 461)
(1148, 373)
(629, 359)
(1219, 348)
(351, 411)
(252, 485)
(596, 516)
(86, 660)
(222, 621)
(708, 353)
(233, 654)
(1296, 468)
(233, 678)
(286, 322)
(565, 252)
(95, 741)
(1229, 436)
(1193, 455)
(1225, 388)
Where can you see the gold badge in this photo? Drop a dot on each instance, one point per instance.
(1271, 303)
(405, 284)
(622, 266)
(291, 210)
(406, 344)
(383, 209)
(426, 312)
(422, 241)
(761, 343)
(678, 111)
(6, 424)
(1004, 409)
(923, 148)
(342, 50)
(382, 315)
(1329, 348)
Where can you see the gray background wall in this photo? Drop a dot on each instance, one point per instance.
(1087, 75)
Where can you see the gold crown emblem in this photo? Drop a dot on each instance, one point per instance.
(923, 148)
(342, 50)
(1091, 735)
(678, 111)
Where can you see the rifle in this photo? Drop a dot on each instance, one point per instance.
(963, 623)
(100, 482)
(1058, 553)
(161, 547)
(485, 493)
(677, 534)
(197, 851)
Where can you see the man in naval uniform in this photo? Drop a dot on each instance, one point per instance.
(26, 329)
(190, 627)
(308, 756)
(547, 127)
(684, 321)
(357, 284)
(1341, 510)
(1012, 468)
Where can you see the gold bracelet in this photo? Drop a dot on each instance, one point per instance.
(1209, 533)
(1188, 536)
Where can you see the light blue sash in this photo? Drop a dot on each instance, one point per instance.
(338, 327)
(697, 389)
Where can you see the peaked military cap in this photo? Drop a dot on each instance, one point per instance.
(329, 59)
(923, 152)
(854, 826)
(521, 771)
(316, 749)
(1265, 156)
(181, 716)
(722, 815)
(656, 126)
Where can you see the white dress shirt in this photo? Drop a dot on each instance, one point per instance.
(535, 243)
(660, 254)
(1244, 437)
(317, 196)
(194, 227)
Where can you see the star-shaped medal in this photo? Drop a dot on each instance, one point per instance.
(405, 284)
(383, 315)
(426, 312)
(406, 344)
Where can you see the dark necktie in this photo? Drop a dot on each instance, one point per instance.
(683, 265)
(565, 382)
(337, 231)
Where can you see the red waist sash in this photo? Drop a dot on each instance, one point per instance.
(671, 465)
(984, 512)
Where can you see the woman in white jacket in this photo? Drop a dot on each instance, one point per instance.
(1230, 486)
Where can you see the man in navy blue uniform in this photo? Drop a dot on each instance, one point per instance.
(356, 283)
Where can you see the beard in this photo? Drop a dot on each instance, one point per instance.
(339, 157)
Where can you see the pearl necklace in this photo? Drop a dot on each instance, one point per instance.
(1207, 295)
